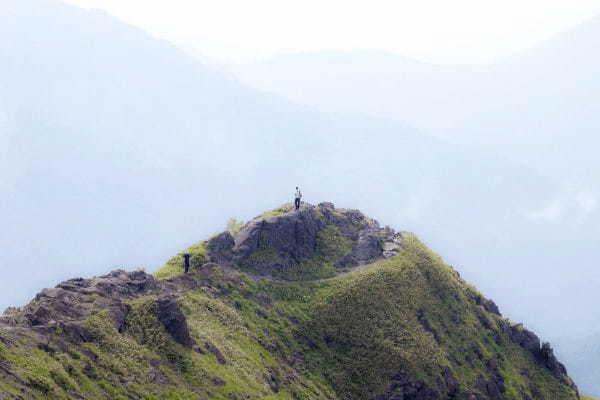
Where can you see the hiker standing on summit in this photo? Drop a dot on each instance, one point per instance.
(297, 198)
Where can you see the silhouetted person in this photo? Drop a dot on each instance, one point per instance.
(297, 198)
(186, 263)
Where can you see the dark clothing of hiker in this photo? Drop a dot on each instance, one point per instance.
(298, 196)
(186, 262)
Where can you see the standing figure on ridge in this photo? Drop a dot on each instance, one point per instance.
(186, 262)
(297, 198)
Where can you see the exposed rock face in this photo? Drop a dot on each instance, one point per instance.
(493, 387)
(170, 315)
(393, 246)
(75, 333)
(368, 247)
(548, 359)
(404, 388)
(526, 339)
(220, 247)
(487, 304)
(72, 301)
(118, 313)
(282, 242)
(293, 237)
(215, 350)
(407, 333)
(543, 353)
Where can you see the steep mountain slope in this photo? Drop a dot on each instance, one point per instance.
(391, 322)
(540, 109)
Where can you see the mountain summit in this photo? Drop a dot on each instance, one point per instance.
(320, 303)
(312, 243)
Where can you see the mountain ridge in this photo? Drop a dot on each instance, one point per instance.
(108, 131)
(537, 108)
(99, 145)
(401, 326)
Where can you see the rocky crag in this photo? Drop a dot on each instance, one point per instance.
(315, 241)
(320, 303)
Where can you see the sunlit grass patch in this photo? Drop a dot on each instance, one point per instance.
(174, 266)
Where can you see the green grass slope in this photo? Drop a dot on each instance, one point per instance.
(405, 328)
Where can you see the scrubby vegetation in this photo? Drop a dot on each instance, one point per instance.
(331, 246)
(234, 226)
(276, 212)
(174, 266)
(413, 313)
(358, 335)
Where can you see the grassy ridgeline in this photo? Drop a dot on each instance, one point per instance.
(346, 337)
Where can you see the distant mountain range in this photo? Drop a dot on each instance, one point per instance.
(117, 149)
(539, 108)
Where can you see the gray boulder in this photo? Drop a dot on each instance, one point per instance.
(525, 338)
(220, 247)
(289, 239)
(393, 245)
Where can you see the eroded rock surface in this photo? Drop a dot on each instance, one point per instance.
(543, 352)
(367, 314)
(69, 303)
(73, 300)
(403, 387)
(284, 241)
(171, 316)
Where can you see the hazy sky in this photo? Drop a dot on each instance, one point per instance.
(439, 31)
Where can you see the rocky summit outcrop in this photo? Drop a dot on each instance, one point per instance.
(253, 320)
(288, 241)
(64, 307)
(73, 300)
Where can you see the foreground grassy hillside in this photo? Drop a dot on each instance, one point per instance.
(407, 327)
